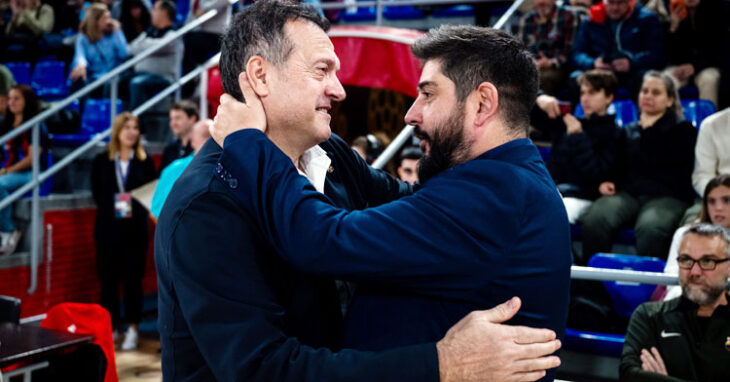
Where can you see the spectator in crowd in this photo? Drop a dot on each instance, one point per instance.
(206, 38)
(6, 81)
(694, 54)
(121, 230)
(183, 116)
(548, 32)
(712, 156)
(134, 15)
(621, 36)
(583, 149)
(686, 338)
(160, 69)
(370, 146)
(199, 134)
(715, 210)
(408, 164)
(100, 46)
(68, 16)
(650, 185)
(30, 20)
(17, 161)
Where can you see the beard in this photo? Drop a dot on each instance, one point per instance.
(703, 295)
(448, 146)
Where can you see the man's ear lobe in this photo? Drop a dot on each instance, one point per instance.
(256, 75)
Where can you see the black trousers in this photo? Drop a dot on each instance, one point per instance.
(122, 264)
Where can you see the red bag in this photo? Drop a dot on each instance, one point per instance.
(86, 319)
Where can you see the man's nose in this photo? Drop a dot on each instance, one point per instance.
(335, 91)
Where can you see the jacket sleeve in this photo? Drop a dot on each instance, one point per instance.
(237, 324)
(354, 245)
(97, 166)
(120, 45)
(80, 52)
(653, 56)
(581, 59)
(594, 159)
(38, 26)
(706, 157)
(143, 42)
(641, 334)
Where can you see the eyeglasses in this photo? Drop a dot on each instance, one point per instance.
(706, 263)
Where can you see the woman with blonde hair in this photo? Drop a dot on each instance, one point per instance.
(121, 230)
(100, 47)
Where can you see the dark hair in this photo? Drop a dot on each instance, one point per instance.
(129, 26)
(471, 55)
(600, 80)
(412, 152)
(32, 105)
(187, 106)
(720, 180)
(259, 31)
(169, 8)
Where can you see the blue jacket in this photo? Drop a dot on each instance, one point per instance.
(230, 309)
(469, 238)
(640, 38)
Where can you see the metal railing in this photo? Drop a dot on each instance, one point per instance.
(34, 125)
(112, 77)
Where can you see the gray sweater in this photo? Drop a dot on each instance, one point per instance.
(165, 62)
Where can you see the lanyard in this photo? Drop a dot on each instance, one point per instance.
(121, 176)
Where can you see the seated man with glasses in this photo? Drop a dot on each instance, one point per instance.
(686, 338)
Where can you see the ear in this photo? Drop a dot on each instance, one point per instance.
(610, 98)
(487, 100)
(256, 75)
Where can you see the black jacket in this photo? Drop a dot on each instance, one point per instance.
(691, 350)
(110, 231)
(230, 309)
(698, 41)
(578, 162)
(174, 151)
(657, 161)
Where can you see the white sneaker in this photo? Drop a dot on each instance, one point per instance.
(9, 241)
(130, 339)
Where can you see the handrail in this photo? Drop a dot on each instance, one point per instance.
(109, 76)
(406, 132)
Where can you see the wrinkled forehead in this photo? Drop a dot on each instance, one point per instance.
(310, 41)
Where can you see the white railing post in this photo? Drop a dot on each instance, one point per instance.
(35, 210)
(204, 94)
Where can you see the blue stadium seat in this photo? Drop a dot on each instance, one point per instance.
(49, 80)
(405, 12)
(625, 111)
(20, 70)
(97, 115)
(627, 296)
(45, 188)
(594, 343)
(454, 11)
(361, 14)
(696, 110)
(182, 7)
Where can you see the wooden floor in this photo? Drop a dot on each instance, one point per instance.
(142, 364)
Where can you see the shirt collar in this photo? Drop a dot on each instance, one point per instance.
(315, 162)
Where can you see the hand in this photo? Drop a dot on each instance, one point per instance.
(233, 115)
(683, 72)
(600, 64)
(621, 65)
(200, 12)
(675, 17)
(78, 72)
(114, 25)
(607, 189)
(652, 361)
(549, 105)
(572, 124)
(479, 348)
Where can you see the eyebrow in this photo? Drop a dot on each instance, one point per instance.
(329, 62)
(424, 84)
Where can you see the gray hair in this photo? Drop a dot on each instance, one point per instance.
(710, 230)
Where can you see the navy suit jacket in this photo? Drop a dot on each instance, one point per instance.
(230, 309)
(469, 238)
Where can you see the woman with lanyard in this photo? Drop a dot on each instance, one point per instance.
(121, 230)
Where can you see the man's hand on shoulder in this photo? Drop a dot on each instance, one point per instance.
(233, 115)
(479, 348)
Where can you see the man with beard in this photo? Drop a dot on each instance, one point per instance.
(486, 224)
(686, 338)
(230, 308)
